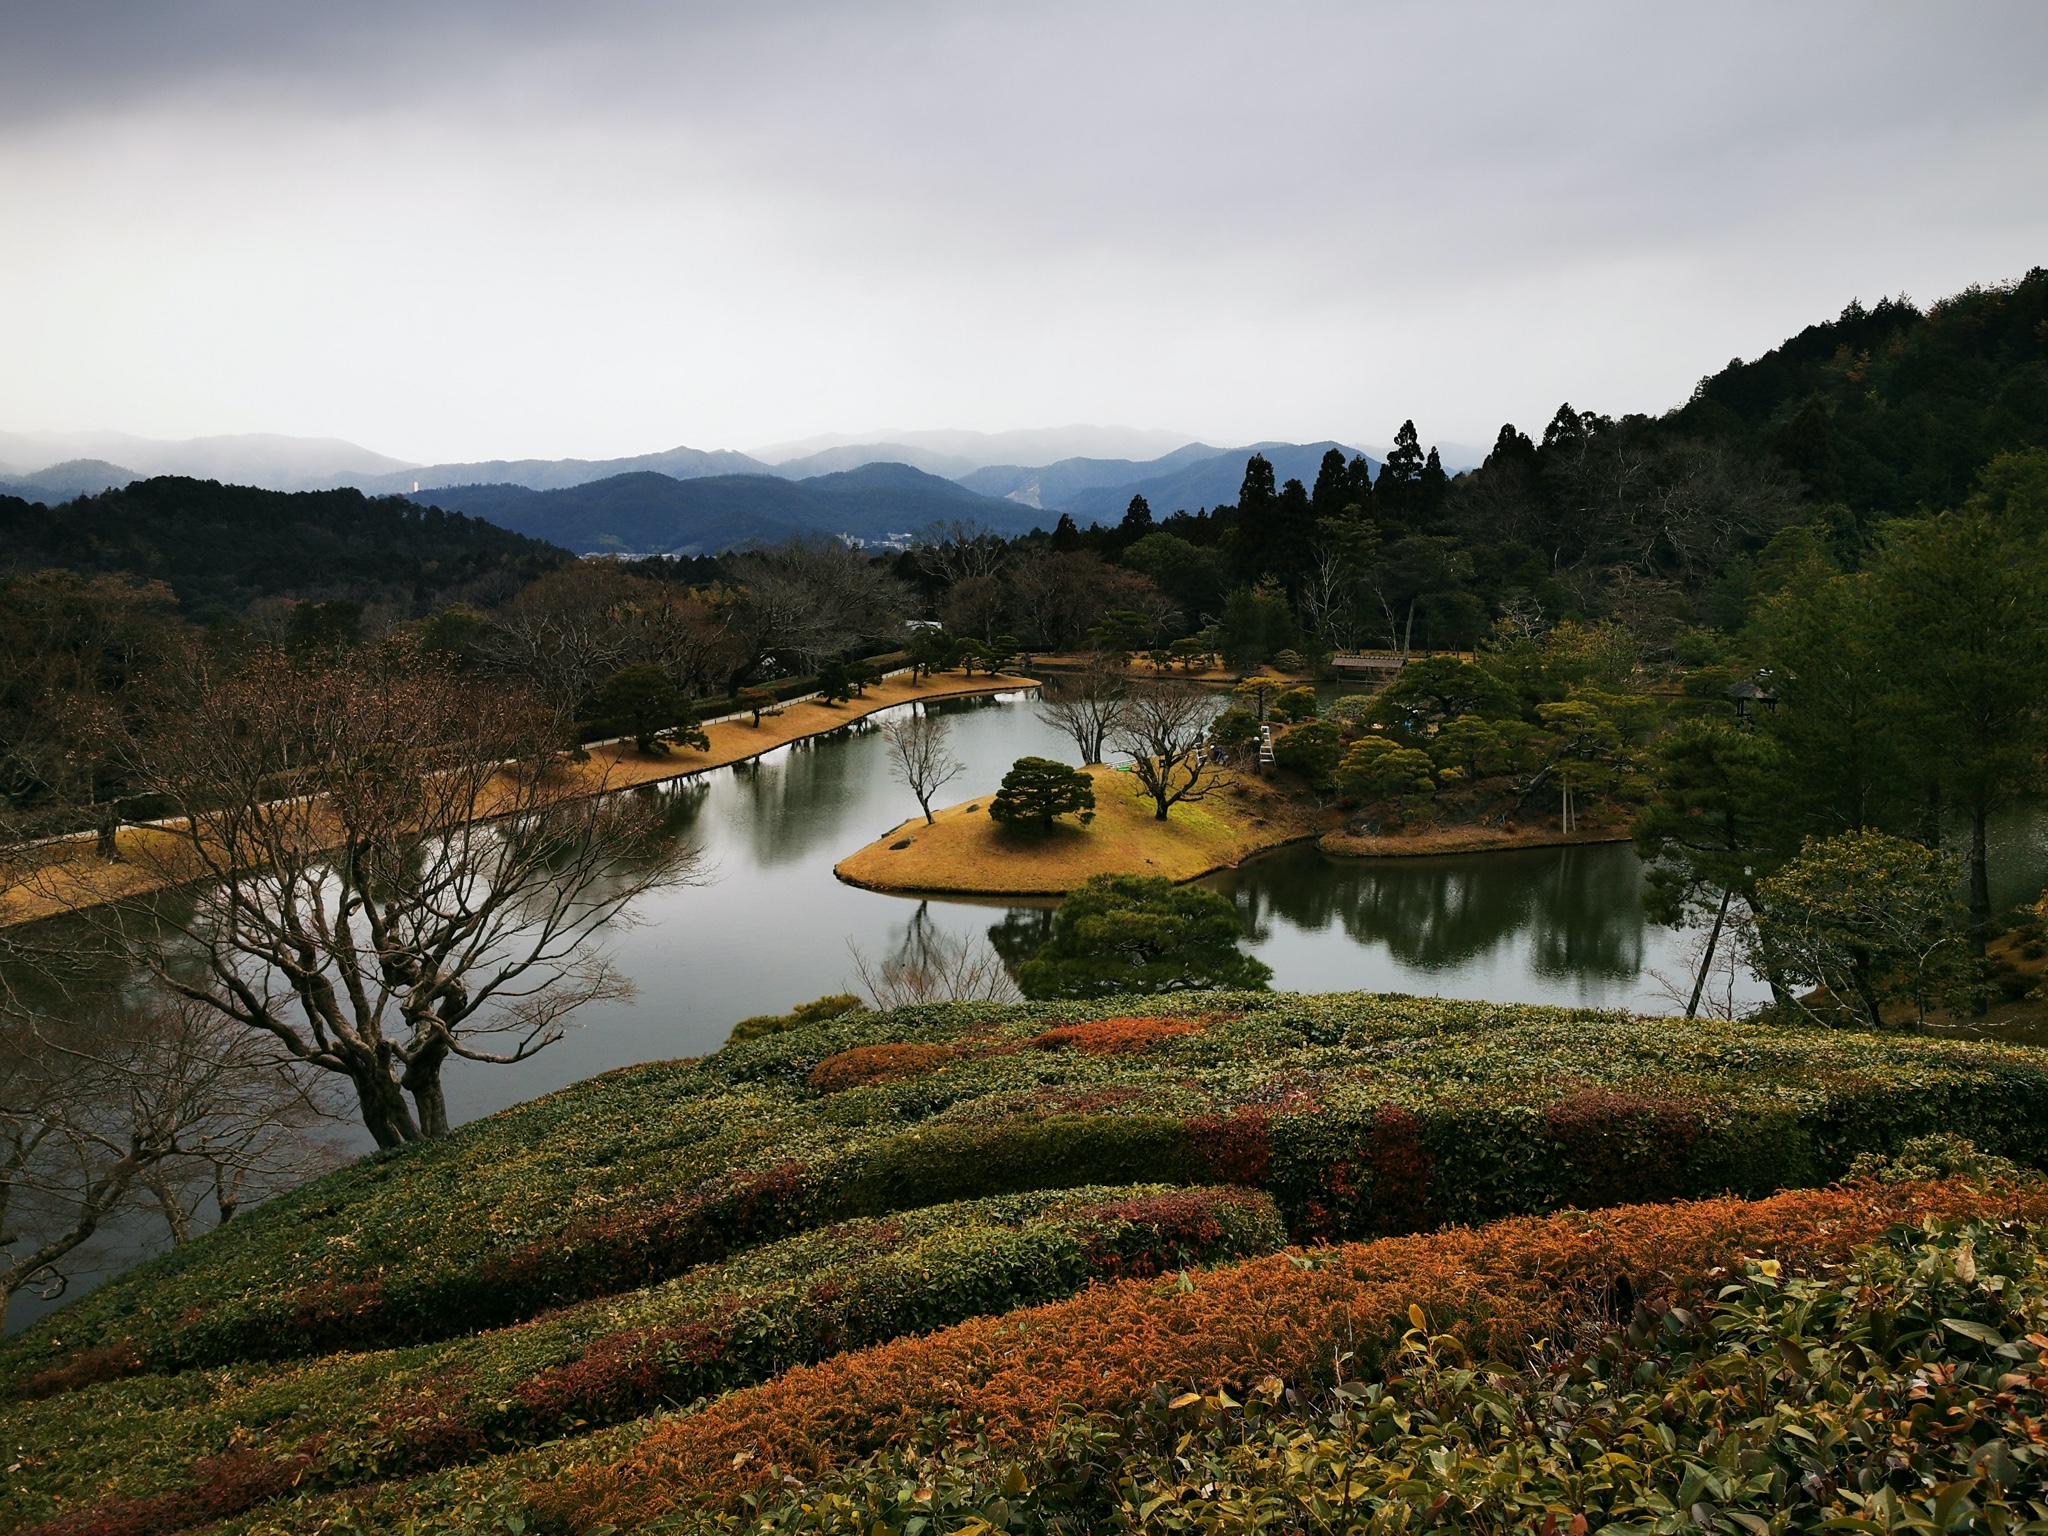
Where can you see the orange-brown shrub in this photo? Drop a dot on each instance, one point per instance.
(109, 1363)
(876, 1064)
(1011, 1377)
(1114, 1037)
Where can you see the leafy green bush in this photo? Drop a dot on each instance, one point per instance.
(838, 1005)
(1311, 749)
(1294, 706)
(1358, 1114)
(1140, 933)
(139, 1442)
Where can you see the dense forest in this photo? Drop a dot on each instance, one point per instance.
(221, 547)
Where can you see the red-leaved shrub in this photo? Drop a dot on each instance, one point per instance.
(865, 1064)
(1011, 1377)
(1114, 1037)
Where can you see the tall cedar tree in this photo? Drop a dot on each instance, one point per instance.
(1255, 499)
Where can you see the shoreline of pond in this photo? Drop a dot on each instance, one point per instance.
(80, 879)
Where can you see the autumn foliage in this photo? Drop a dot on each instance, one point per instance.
(1114, 1037)
(1010, 1378)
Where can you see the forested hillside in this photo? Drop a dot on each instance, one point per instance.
(220, 547)
(1890, 410)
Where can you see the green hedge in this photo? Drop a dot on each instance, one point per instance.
(1359, 1114)
(146, 1446)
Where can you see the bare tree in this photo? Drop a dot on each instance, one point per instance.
(387, 865)
(573, 628)
(99, 1110)
(957, 551)
(931, 966)
(1086, 707)
(919, 756)
(804, 602)
(1163, 730)
(87, 666)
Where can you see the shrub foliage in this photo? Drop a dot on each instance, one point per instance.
(1358, 1115)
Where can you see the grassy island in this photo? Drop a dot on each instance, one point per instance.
(964, 852)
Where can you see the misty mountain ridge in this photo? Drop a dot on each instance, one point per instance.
(66, 481)
(1205, 482)
(976, 450)
(266, 460)
(558, 474)
(647, 513)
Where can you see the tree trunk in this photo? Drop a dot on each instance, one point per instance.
(385, 1115)
(1699, 985)
(430, 1102)
(422, 1080)
(1980, 881)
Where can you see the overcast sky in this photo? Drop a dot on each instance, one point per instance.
(463, 230)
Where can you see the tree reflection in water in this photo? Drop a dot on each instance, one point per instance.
(1580, 908)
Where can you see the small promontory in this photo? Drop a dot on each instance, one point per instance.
(964, 852)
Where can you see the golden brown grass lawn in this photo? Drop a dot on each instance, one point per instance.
(1468, 839)
(68, 876)
(966, 853)
(621, 765)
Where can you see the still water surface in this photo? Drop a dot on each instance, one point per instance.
(773, 928)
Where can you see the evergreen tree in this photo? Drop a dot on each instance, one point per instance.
(1038, 789)
(1256, 498)
(1065, 536)
(1400, 475)
(1137, 519)
(1358, 488)
(1141, 933)
(1968, 647)
(1511, 447)
(1333, 485)
(1433, 489)
(1290, 542)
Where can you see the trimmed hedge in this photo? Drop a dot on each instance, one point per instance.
(156, 1454)
(1360, 1116)
(1309, 1320)
(1903, 1390)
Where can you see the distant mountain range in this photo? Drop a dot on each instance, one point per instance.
(645, 513)
(1205, 482)
(268, 460)
(954, 452)
(67, 481)
(690, 501)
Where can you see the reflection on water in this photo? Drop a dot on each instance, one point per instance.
(1581, 907)
(1560, 925)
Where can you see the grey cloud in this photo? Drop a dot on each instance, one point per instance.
(1378, 163)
